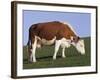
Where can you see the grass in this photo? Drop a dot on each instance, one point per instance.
(45, 54)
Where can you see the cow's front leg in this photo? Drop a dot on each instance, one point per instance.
(34, 49)
(63, 52)
(57, 45)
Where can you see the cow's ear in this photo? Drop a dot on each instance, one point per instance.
(75, 39)
(78, 37)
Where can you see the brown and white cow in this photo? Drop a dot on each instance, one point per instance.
(55, 32)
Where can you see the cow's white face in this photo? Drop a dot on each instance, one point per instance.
(80, 46)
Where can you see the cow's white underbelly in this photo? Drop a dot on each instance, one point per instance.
(47, 42)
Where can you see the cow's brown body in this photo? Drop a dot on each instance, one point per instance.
(49, 30)
(49, 33)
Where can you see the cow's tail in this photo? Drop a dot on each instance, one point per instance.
(28, 43)
(32, 32)
(29, 37)
(29, 46)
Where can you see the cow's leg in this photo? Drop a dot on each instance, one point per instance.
(57, 45)
(63, 52)
(30, 55)
(29, 49)
(34, 49)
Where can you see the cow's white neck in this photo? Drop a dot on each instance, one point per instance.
(65, 42)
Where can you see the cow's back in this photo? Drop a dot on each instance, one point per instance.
(49, 30)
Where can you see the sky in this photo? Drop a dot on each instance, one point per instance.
(81, 22)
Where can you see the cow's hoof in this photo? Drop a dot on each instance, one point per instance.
(34, 60)
(54, 58)
(63, 56)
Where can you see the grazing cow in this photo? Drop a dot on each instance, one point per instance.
(55, 32)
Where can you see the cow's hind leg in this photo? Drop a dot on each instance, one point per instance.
(30, 58)
(29, 50)
(63, 52)
(34, 49)
(57, 45)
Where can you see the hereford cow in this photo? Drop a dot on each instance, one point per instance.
(55, 32)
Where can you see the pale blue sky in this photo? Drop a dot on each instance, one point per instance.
(79, 21)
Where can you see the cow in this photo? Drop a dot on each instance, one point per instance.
(59, 33)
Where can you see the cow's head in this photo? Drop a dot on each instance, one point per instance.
(79, 45)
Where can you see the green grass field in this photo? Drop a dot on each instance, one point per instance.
(45, 57)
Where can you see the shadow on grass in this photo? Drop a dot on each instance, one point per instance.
(47, 58)
(42, 58)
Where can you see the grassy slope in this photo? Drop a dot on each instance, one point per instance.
(45, 54)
